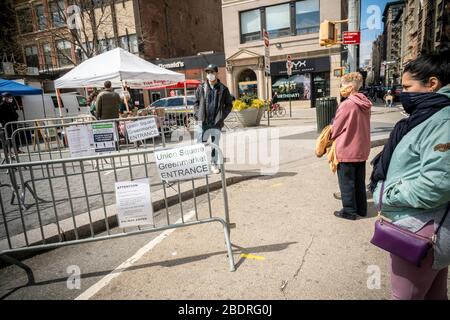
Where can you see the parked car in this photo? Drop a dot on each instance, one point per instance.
(177, 112)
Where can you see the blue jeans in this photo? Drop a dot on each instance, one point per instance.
(204, 132)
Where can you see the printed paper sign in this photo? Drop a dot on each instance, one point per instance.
(142, 129)
(79, 140)
(134, 203)
(182, 163)
(104, 137)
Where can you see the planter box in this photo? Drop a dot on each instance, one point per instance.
(250, 117)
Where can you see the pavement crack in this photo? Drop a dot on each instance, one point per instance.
(284, 283)
(304, 258)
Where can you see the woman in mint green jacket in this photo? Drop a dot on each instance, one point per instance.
(415, 168)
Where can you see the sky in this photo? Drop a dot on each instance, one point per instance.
(371, 25)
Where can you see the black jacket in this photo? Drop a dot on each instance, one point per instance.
(7, 113)
(223, 108)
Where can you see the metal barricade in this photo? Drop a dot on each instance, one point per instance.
(74, 207)
(10, 127)
(178, 118)
(48, 142)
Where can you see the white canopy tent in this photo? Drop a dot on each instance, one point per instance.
(120, 67)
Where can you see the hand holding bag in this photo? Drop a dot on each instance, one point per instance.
(401, 242)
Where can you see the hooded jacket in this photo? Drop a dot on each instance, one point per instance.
(417, 185)
(351, 129)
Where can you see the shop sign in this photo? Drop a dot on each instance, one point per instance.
(321, 64)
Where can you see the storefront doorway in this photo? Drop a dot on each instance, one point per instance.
(247, 83)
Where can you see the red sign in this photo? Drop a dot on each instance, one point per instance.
(266, 39)
(352, 37)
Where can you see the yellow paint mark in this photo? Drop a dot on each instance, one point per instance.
(277, 185)
(251, 256)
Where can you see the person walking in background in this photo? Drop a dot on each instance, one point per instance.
(388, 99)
(351, 130)
(92, 103)
(213, 103)
(108, 103)
(412, 173)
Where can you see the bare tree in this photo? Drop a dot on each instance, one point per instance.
(85, 24)
(8, 31)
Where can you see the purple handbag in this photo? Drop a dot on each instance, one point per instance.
(401, 242)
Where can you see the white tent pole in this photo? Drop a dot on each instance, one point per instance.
(58, 96)
(124, 89)
(185, 94)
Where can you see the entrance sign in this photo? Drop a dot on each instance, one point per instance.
(182, 163)
(142, 129)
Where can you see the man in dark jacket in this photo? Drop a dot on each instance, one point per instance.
(8, 114)
(213, 103)
(7, 109)
(108, 103)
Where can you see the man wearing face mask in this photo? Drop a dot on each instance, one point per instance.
(351, 130)
(213, 103)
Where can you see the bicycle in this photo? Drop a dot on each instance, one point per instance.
(276, 110)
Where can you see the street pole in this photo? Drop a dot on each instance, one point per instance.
(290, 106)
(267, 99)
(353, 25)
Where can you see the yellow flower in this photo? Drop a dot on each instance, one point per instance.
(239, 104)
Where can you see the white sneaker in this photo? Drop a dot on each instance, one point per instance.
(215, 169)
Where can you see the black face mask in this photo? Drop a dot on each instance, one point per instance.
(410, 100)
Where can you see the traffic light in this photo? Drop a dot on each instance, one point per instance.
(328, 33)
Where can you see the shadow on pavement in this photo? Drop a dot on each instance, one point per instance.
(167, 264)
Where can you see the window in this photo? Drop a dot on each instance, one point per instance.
(175, 102)
(40, 15)
(31, 54)
(134, 48)
(250, 25)
(159, 103)
(103, 45)
(55, 102)
(278, 21)
(124, 42)
(111, 44)
(190, 101)
(57, 9)
(307, 16)
(64, 53)
(47, 49)
(24, 20)
(82, 102)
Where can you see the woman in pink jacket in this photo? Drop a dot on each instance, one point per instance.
(351, 129)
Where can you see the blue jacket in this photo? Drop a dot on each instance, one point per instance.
(418, 178)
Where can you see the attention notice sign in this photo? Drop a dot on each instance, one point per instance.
(182, 163)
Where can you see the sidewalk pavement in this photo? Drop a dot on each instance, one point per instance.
(295, 247)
